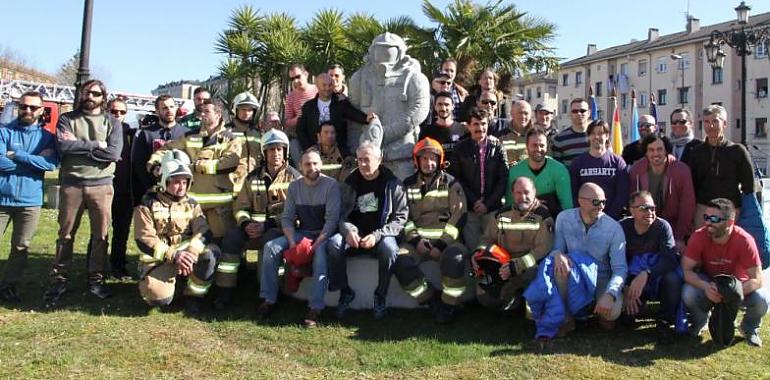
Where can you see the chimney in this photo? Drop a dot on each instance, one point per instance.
(693, 24)
(591, 49)
(652, 34)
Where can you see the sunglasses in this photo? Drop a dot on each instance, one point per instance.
(596, 202)
(713, 218)
(649, 208)
(95, 94)
(680, 122)
(118, 112)
(490, 102)
(445, 82)
(646, 125)
(579, 111)
(296, 77)
(29, 107)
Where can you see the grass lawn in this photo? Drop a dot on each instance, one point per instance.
(120, 338)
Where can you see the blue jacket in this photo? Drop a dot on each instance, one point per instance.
(543, 297)
(640, 263)
(751, 220)
(21, 178)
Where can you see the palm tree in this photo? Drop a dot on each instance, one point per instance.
(491, 35)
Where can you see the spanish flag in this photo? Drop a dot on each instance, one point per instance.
(617, 131)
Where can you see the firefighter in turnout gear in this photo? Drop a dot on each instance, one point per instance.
(437, 208)
(172, 234)
(525, 231)
(257, 210)
(334, 164)
(244, 128)
(216, 156)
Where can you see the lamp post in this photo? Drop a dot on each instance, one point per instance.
(742, 40)
(680, 58)
(85, 50)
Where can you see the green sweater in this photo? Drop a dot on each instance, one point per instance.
(83, 162)
(553, 179)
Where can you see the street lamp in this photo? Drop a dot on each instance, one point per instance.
(679, 58)
(742, 40)
(85, 50)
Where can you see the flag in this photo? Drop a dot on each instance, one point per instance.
(594, 108)
(617, 132)
(634, 118)
(654, 113)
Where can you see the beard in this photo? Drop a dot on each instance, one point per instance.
(523, 206)
(27, 119)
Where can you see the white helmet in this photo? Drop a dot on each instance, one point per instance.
(245, 99)
(175, 163)
(275, 136)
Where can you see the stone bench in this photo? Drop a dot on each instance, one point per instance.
(362, 277)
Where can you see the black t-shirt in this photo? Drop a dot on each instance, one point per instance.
(368, 206)
(444, 135)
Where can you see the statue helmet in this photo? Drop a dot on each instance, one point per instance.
(175, 163)
(391, 40)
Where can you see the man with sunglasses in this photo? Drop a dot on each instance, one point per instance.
(444, 129)
(683, 140)
(122, 205)
(89, 144)
(646, 127)
(720, 168)
(489, 101)
(193, 120)
(587, 229)
(301, 92)
(652, 259)
(722, 248)
(27, 151)
(572, 142)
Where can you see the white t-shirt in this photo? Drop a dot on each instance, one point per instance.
(323, 111)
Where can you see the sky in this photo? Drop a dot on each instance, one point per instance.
(137, 45)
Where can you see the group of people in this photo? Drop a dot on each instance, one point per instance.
(495, 191)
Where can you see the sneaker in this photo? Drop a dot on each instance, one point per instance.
(9, 294)
(445, 314)
(193, 306)
(121, 274)
(100, 290)
(54, 293)
(380, 307)
(264, 310)
(312, 318)
(343, 305)
(224, 297)
(753, 339)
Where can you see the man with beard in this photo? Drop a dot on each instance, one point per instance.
(651, 251)
(602, 167)
(720, 168)
(551, 177)
(312, 211)
(514, 141)
(437, 208)
(257, 209)
(27, 151)
(479, 166)
(193, 120)
(525, 231)
(720, 247)
(444, 129)
(89, 144)
(374, 212)
(670, 183)
(572, 142)
(683, 140)
(647, 127)
(150, 139)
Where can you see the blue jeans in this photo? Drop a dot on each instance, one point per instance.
(385, 251)
(699, 306)
(272, 258)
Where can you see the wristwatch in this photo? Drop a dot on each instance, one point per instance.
(649, 272)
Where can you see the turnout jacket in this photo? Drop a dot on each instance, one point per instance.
(262, 197)
(214, 159)
(164, 224)
(437, 207)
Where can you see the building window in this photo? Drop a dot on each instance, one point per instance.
(683, 63)
(552, 91)
(662, 65)
(529, 94)
(600, 114)
(761, 87)
(642, 68)
(684, 94)
(539, 93)
(717, 75)
(564, 106)
(642, 100)
(565, 79)
(662, 97)
(578, 78)
(760, 51)
(760, 127)
(623, 100)
(598, 89)
(624, 68)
